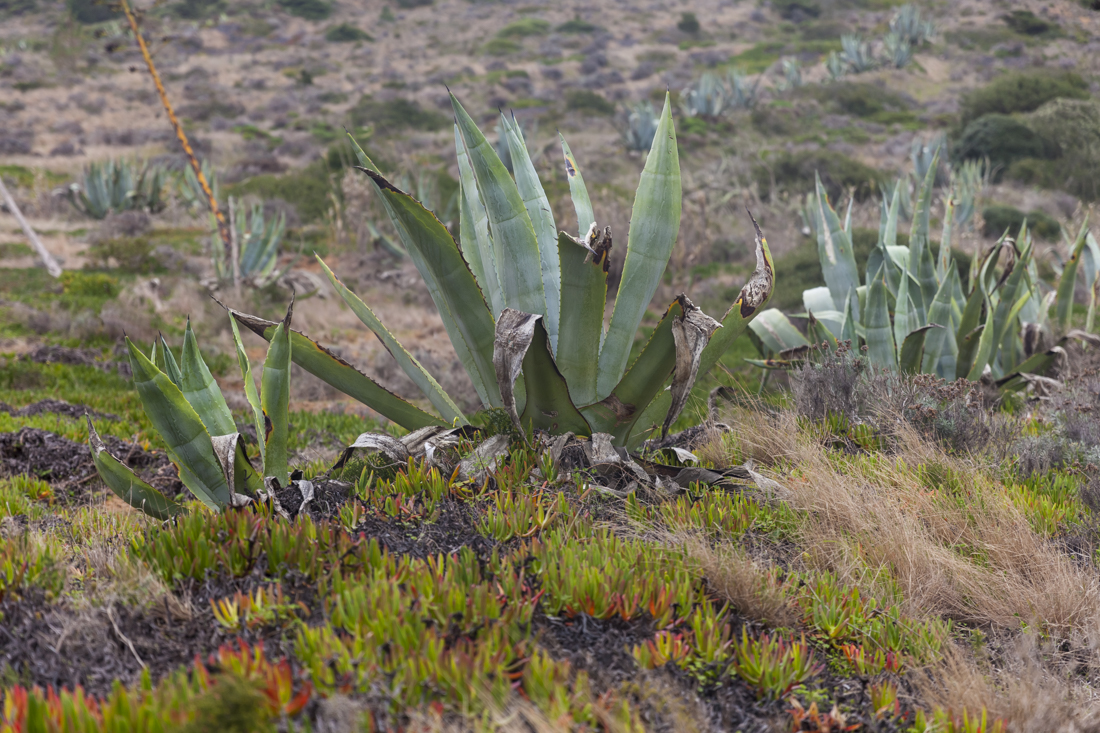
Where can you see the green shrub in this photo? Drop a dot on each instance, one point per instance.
(1036, 172)
(688, 23)
(502, 47)
(585, 100)
(793, 173)
(1022, 91)
(17, 7)
(398, 115)
(1028, 23)
(999, 218)
(576, 25)
(1091, 4)
(195, 9)
(406, 4)
(861, 100)
(132, 254)
(797, 9)
(1003, 140)
(306, 189)
(346, 33)
(525, 27)
(308, 9)
(776, 119)
(92, 11)
(1072, 126)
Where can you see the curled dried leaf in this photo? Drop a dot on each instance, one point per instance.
(514, 332)
(690, 332)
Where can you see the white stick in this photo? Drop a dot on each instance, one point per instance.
(47, 259)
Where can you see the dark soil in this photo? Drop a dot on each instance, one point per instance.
(454, 529)
(56, 407)
(67, 465)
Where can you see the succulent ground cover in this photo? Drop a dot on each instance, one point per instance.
(874, 551)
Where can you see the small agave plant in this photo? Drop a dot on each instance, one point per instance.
(523, 305)
(914, 314)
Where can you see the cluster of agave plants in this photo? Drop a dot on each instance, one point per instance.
(914, 313)
(522, 303)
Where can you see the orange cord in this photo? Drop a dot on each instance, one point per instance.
(223, 225)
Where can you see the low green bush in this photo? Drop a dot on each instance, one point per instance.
(346, 33)
(576, 25)
(195, 9)
(308, 9)
(797, 10)
(525, 27)
(406, 4)
(129, 254)
(999, 218)
(17, 7)
(776, 119)
(1021, 91)
(1028, 23)
(1072, 126)
(688, 23)
(862, 100)
(502, 47)
(306, 189)
(395, 116)
(1036, 172)
(585, 100)
(92, 11)
(1003, 140)
(793, 172)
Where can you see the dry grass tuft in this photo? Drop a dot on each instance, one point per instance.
(733, 576)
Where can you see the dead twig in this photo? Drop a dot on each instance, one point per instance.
(123, 637)
(47, 259)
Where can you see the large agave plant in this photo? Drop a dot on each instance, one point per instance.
(257, 242)
(913, 312)
(523, 303)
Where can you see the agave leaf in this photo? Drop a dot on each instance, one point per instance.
(1036, 364)
(548, 404)
(515, 246)
(922, 265)
(985, 345)
(477, 244)
(834, 249)
(818, 333)
(584, 294)
(275, 400)
(1067, 284)
(820, 302)
(333, 370)
(880, 338)
(250, 392)
(581, 203)
(126, 484)
(182, 430)
(654, 224)
(1004, 313)
(465, 315)
(201, 391)
(912, 349)
(890, 234)
(776, 332)
(408, 363)
(850, 331)
(902, 307)
(165, 361)
(542, 219)
(1092, 276)
(968, 348)
(754, 295)
(944, 261)
(939, 314)
(646, 377)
